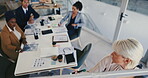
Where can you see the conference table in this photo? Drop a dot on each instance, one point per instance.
(38, 57)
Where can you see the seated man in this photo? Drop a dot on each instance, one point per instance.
(127, 54)
(12, 36)
(24, 14)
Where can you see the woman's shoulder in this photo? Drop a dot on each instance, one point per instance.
(107, 60)
(108, 57)
(79, 13)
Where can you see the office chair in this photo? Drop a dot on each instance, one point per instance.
(144, 60)
(7, 68)
(76, 37)
(81, 55)
(78, 31)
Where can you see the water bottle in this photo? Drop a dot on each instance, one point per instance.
(42, 22)
(36, 34)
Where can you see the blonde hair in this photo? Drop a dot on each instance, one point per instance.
(129, 48)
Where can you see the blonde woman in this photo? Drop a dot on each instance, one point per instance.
(127, 54)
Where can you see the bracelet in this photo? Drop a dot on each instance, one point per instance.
(18, 51)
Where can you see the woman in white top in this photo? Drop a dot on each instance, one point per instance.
(127, 54)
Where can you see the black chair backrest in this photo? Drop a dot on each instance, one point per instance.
(85, 53)
(79, 31)
(4, 66)
(145, 58)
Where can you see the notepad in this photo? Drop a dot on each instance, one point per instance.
(60, 38)
(44, 32)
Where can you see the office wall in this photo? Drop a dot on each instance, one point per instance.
(105, 17)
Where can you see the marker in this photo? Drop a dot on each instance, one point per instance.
(83, 70)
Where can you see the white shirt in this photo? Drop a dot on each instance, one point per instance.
(24, 9)
(16, 33)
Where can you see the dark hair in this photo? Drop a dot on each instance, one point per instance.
(22, 0)
(9, 15)
(78, 5)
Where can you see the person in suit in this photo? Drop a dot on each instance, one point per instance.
(75, 19)
(25, 13)
(12, 37)
(126, 56)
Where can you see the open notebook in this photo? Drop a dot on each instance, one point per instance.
(60, 38)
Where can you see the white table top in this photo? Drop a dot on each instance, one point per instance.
(30, 61)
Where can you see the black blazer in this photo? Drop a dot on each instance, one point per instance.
(22, 18)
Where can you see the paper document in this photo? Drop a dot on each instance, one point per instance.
(29, 47)
(60, 38)
(59, 30)
(39, 62)
(54, 25)
(50, 51)
(43, 62)
(66, 50)
(29, 32)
